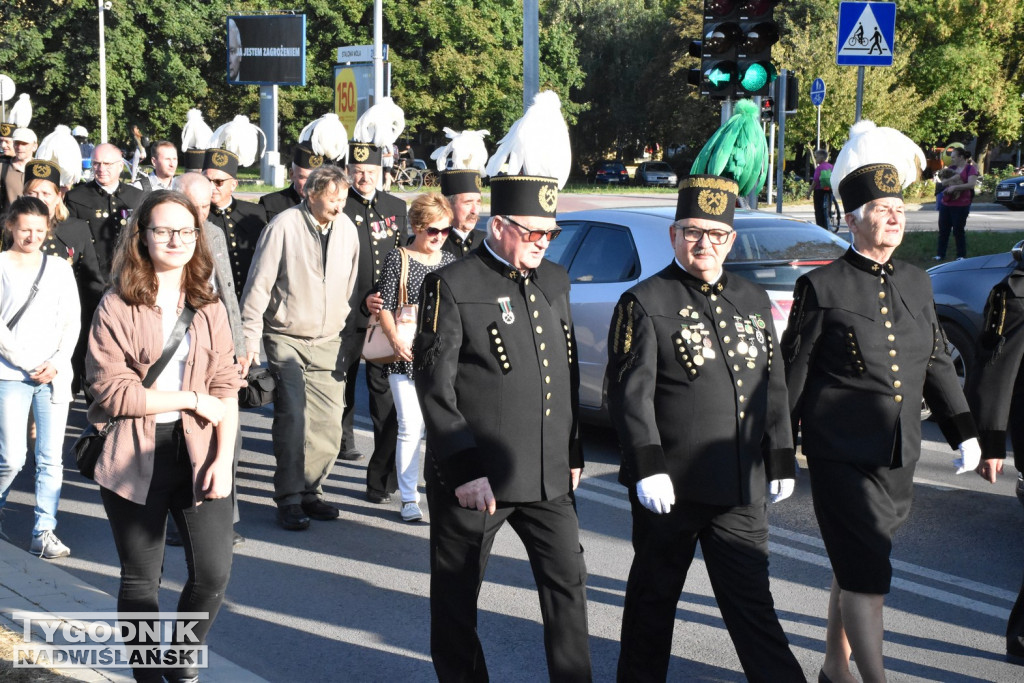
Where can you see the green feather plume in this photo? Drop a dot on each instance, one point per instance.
(737, 150)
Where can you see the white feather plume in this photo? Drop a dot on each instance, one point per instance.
(61, 148)
(538, 143)
(328, 137)
(465, 150)
(871, 144)
(242, 138)
(381, 124)
(21, 113)
(195, 134)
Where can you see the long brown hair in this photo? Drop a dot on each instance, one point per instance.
(134, 278)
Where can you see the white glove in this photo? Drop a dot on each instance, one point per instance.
(970, 456)
(781, 489)
(656, 493)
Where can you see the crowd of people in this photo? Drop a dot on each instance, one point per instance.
(167, 295)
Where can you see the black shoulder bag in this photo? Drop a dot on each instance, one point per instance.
(89, 444)
(31, 295)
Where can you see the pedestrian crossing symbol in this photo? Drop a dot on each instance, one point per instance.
(865, 36)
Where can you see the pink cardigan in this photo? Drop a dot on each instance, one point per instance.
(124, 341)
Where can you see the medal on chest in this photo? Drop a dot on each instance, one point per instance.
(507, 316)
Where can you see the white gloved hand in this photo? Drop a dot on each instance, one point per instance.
(970, 456)
(656, 493)
(781, 489)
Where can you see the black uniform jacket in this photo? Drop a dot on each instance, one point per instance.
(242, 223)
(458, 247)
(105, 213)
(497, 377)
(72, 241)
(694, 390)
(276, 202)
(862, 346)
(382, 225)
(997, 378)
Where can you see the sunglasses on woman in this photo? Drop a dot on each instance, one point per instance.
(434, 232)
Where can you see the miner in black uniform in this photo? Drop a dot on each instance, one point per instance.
(105, 203)
(242, 222)
(862, 347)
(304, 160)
(380, 218)
(497, 377)
(995, 391)
(69, 239)
(698, 400)
(462, 187)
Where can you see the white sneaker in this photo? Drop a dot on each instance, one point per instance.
(411, 512)
(47, 546)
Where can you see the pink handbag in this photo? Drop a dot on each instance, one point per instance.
(376, 347)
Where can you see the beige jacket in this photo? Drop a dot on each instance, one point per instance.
(288, 291)
(124, 342)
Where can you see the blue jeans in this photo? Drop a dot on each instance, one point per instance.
(51, 419)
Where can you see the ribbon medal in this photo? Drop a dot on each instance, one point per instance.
(506, 310)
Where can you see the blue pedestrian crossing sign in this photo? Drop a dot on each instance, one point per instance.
(866, 33)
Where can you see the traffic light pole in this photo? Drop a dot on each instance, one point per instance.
(860, 92)
(780, 166)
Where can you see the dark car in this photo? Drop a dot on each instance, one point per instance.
(1010, 193)
(610, 172)
(961, 289)
(655, 173)
(607, 251)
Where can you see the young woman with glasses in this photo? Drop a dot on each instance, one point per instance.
(430, 216)
(171, 445)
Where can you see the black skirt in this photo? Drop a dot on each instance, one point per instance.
(858, 510)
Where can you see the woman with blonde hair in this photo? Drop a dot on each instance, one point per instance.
(172, 440)
(431, 219)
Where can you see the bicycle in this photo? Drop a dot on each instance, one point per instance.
(408, 177)
(835, 215)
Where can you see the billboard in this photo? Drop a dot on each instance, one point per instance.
(266, 49)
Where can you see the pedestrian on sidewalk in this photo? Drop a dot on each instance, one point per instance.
(955, 203)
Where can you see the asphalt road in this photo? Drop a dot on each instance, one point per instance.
(348, 600)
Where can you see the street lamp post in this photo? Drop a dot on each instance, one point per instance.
(102, 6)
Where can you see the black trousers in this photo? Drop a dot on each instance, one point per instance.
(381, 476)
(734, 543)
(1015, 625)
(139, 532)
(460, 544)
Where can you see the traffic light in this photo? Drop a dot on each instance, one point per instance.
(735, 48)
(767, 109)
(754, 55)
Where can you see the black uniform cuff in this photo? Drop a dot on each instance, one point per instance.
(781, 464)
(993, 444)
(575, 455)
(958, 429)
(648, 461)
(462, 467)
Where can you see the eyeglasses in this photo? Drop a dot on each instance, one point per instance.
(534, 235)
(714, 236)
(185, 235)
(220, 181)
(106, 164)
(434, 232)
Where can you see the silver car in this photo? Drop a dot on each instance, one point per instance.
(655, 173)
(607, 251)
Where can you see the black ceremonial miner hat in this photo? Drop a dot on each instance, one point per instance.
(710, 197)
(524, 195)
(221, 160)
(304, 157)
(869, 182)
(459, 181)
(193, 160)
(43, 170)
(364, 153)
(6, 129)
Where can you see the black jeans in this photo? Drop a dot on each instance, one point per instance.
(139, 532)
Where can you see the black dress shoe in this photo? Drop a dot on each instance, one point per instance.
(292, 518)
(320, 510)
(377, 497)
(237, 540)
(173, 537)
(350, 454)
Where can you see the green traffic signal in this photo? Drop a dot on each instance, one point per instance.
(757, 76)
(721, 75)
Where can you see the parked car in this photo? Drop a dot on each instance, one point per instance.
(1010, 193)
(610, 172)
(607, 251)
(655, 173)
(961, 289)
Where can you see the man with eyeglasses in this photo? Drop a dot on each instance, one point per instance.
(381, 221)
(242, 222)
(105, 203)
(498, 380)
(700, 406)
(463, 188)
